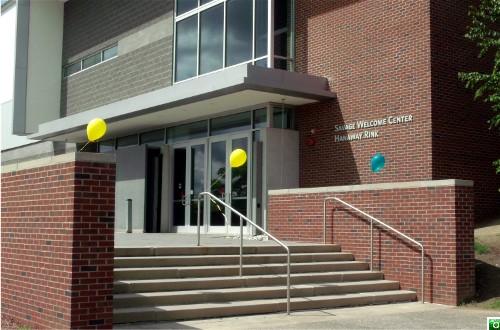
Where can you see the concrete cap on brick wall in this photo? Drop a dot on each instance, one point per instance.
(376, 186)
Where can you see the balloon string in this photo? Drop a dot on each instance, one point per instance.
(84, 146)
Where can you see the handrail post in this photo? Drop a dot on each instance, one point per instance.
(241, 246)
(288, 284)
(198, 219)
(371, 245)
(129, 215)
(324, 221)
(422, 276)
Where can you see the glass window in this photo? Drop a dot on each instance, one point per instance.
(109, 53)
(239, 31)
(126, 141)
(91, 60)
(72, 68)
(282, 118)
(185, 6)
(260, 118)
(230, 123)
(260, 28)
(211, 38)
(156, 137)
(262, 62)
(186, 43)
(107, 146)
(202, 2)
(189, 131)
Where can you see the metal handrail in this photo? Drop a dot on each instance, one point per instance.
(213, 197)
(371, 236)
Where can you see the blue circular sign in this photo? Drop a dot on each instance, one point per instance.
(377, 162)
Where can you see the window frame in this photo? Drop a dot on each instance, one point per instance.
(80, 60)
(270, 57)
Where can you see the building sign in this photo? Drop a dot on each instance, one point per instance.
(366, 129)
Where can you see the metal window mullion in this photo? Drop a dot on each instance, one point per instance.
(198, 48)
(254, 17)
(224, 32)
(270, 33)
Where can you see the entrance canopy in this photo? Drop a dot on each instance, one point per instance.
(202, 97)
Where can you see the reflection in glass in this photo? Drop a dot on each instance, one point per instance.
(110, 53)
(230, 123)
(188, 131)
(211, 38)
(239, 31)
(197, 181)
(185, 6)
(179, 210)
(260, 118)
(186, 43)
(91, 60)
(129, 140)
(260, 28)
(239, 184)
(156, 137)
(218, 181)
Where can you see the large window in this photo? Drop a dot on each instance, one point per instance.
(214, 34)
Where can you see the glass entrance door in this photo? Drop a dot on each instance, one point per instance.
(204, 166)
(229, 184)
(189, 167)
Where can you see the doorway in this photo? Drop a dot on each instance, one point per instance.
(203, 165)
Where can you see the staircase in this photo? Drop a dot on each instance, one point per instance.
(174, 283)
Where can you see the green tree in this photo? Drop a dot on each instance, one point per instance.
(484, 30)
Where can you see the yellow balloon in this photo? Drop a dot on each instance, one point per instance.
(238, 158)
(96, 128)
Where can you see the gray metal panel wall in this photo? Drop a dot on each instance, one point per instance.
(130, 183)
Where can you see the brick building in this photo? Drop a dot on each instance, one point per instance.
(310, 91)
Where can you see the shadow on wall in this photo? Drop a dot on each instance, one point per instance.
(318, 151)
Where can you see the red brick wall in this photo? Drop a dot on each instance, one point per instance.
(463, 145)
(57, 245)
(394, 57)
(376, 55)
(441, 218)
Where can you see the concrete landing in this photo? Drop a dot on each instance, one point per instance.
(175, 239)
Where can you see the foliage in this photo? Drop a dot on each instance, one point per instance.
(480, 248)
(485, 32)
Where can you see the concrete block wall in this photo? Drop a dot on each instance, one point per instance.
(57, 242)
(439, 214)
(143, 31)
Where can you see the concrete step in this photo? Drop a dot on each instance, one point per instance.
(172, 284)
(233, 270)
(203, 260)
(218, 250)
(261, 306)
(252, 293)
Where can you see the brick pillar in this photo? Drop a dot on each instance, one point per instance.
(57, 242)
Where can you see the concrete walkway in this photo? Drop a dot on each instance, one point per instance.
(393, 316)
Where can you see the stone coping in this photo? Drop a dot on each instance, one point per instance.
(375, 186)
(59, 159)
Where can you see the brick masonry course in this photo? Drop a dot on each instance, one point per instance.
(57, 245)
(441, 218)
(390, 58)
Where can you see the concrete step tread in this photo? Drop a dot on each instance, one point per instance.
(216, 249)
(350, 262)
(195, 307)
(126, 296)
(232, 255)
(229, 278)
